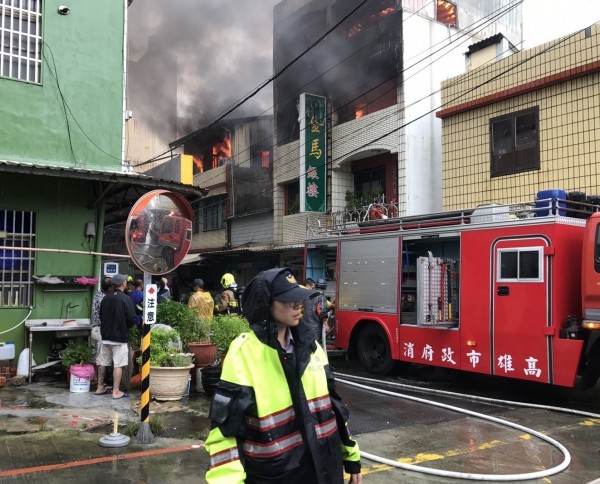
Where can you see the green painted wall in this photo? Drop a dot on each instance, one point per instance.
(62, 208)
(85, 51)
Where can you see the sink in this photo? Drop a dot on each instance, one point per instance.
(66, 323)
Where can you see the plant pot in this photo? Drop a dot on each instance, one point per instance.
(169, 383)
(210, 377)
(204, 352)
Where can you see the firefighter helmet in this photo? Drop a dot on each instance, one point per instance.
(227, 280)
(321, 284)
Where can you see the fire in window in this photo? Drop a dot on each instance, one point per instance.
(446, 12)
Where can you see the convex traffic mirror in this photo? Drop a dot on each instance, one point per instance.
(159, 231)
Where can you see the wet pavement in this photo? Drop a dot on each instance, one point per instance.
(48, 434)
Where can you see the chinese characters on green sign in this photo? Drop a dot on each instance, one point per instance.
(313, 153)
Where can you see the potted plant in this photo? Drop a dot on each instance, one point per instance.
(77, 357)
(223, 330)
(193, 331)
(169, 365)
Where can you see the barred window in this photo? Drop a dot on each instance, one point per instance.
(213, 213)
(21, 39)
(17, 229)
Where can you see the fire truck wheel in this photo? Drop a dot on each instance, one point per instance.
(374, 350)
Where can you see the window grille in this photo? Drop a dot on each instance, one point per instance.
(17, 229)
(21, 39)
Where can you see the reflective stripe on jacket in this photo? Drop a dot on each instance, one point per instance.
(260, 433)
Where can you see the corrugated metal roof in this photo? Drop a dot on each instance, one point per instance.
(123, 188)
(262, 248)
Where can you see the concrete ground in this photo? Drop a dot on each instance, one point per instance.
(50, 435)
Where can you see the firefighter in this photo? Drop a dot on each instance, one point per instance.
(316, 312)
(276, 416)
(229, 301)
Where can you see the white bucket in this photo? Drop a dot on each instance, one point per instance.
(23, 364)
(79, 385)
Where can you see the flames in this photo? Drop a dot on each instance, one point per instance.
(387, 7)
(221, 150)
(361, 110)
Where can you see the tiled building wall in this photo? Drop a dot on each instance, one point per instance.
(569, 127)
(349, 138)
(294, 226)
(530, 65)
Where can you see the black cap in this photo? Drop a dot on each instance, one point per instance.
(285, 288)
(199, 283)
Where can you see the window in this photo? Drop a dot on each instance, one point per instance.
(292, 198)
(515, 143)
(21, 39)
(17, 229)
(213, 213)
(446, 13)
(520, 265)
(370, 183)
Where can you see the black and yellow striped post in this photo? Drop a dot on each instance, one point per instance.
(144, 435)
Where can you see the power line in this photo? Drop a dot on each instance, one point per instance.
(464, 35)
(261, 86)
(550, 47)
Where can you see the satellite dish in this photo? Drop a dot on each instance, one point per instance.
(159, 231)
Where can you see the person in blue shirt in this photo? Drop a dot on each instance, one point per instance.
(137, 296)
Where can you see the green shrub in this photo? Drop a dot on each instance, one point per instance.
(76, 353)
(185, 320)
(225, 328)
(164, 349)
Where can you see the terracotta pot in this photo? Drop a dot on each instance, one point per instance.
(204, 352)
(169, 383)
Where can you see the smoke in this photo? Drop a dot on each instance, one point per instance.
(213, 51)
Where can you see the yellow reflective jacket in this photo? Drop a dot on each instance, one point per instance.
(276, 416)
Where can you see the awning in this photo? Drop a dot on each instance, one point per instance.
(118, 190)
(191, 258)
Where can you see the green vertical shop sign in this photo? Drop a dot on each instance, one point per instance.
(313, 153)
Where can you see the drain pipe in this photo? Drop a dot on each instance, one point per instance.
(467, 475)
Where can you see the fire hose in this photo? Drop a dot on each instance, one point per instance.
(465, 475)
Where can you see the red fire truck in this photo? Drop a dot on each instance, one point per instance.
(510, 290)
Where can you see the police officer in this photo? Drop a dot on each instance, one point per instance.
(276, 416)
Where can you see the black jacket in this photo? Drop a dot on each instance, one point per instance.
(117, 315)
(316, 460)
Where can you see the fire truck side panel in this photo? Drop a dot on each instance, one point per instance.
(520, 312)
(475, 300)
(513, 326)
(430, 346)
(566, 301)
(368, 275)
(591, 270)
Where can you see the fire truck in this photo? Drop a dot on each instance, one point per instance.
(509, 290)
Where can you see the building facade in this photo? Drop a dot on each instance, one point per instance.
(61, 158)
(526, 123)
(379, 67)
